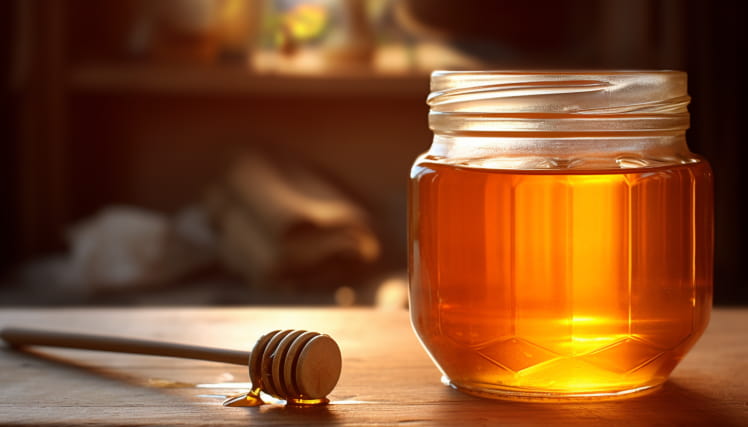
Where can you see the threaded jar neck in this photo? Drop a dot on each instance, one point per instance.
(557, 103)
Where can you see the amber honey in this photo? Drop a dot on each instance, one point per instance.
(559, 282)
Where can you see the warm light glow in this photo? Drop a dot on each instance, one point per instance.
(306, 21)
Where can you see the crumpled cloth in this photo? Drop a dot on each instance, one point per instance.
(280, 224)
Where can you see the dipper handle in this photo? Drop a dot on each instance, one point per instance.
(20, 337)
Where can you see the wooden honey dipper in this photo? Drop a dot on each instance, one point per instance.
(293, 365)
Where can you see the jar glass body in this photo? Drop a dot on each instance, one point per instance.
(558, 264)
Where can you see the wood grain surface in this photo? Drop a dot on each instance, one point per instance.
(387, 378)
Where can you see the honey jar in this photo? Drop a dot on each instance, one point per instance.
(560, 233)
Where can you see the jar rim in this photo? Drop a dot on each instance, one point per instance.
(558, 100)
(562, 71)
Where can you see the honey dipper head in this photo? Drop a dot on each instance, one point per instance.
(294, 364)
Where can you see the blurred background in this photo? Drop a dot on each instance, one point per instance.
(257, 151)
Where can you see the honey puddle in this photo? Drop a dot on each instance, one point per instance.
(255, 397)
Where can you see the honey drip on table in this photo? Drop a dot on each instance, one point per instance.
(249, 399)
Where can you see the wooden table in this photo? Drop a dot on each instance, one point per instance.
(387, 378)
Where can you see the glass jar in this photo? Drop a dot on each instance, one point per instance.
(560, 233)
